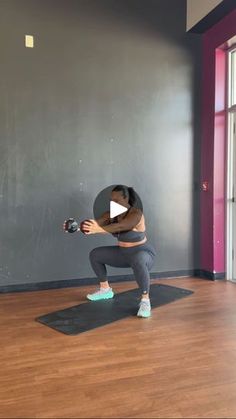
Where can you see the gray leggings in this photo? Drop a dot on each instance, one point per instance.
(140, 258)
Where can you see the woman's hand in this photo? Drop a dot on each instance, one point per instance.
(92, 227)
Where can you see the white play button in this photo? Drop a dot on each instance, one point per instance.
(116, 209)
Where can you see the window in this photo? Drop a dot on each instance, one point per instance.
(232, 84)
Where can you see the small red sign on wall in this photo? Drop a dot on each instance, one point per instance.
(205, 186)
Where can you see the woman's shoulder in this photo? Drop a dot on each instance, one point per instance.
(134, 210)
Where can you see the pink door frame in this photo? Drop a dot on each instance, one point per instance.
(214, 148)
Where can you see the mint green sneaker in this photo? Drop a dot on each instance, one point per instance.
(101, 294)
(144, 308)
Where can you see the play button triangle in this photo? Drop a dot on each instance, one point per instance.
(116, 209)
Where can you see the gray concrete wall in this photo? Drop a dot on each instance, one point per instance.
(109, 94)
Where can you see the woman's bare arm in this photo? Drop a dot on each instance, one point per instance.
(104, 220)
(125, 224)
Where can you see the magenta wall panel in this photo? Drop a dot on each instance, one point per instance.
(213, 146)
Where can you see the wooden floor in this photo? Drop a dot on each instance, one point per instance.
(181, 363)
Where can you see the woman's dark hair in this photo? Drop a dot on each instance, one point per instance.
(126, 192)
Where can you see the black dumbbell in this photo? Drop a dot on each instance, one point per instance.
(71, 226)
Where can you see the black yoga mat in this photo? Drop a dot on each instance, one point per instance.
(93, 314)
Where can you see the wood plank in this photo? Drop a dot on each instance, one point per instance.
(180, 363)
